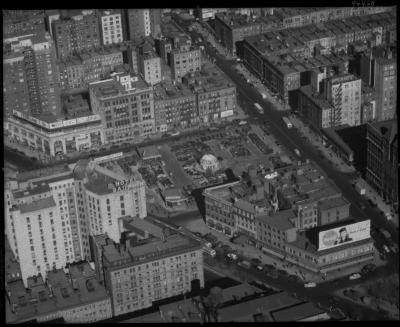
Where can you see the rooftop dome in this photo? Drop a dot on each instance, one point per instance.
(209, 161)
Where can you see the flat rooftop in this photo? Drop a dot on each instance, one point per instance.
(37, 205)
(112, 88)
(280, 219)
(166, 90)
(316, 98)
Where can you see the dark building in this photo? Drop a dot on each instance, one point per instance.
(382, 164)
(22, 22)
(75, 32)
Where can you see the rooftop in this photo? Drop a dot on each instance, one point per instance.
(38, 189)
(280, 219)
(236, 20)
(318, 99)
(297, 312)
(37, 205)
(135, 223)
(166, 90)
(332, 203)
(42, 173)
(388, 128)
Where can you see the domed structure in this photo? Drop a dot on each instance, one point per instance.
(208, 161)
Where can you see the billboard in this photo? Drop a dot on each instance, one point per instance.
(344, 234)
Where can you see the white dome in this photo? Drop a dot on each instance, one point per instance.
(209, 161)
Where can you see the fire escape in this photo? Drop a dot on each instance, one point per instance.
(32, 81)
(337, 106)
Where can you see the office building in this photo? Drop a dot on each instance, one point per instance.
(149, 270)
(149, 64)
(143, 22)
(126, 106)
(343, 92)
(111, 26)
(33, 86)
(175, 106)
(76, 72)
(75, 32)
(292, 225)
(55, 135)
(382, 156)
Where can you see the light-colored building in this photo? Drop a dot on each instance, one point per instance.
(150, 67)
(111, 26)
(125, 104)
(185, 59)
(153, 269)
(53, 136)
(343, 92)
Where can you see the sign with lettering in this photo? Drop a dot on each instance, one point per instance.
(118, 186)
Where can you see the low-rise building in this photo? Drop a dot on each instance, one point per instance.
(149, 270)
(174, 106)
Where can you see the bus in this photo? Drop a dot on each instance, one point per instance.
(259, 108)
(287, 122)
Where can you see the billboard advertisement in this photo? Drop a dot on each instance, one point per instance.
(344, 234)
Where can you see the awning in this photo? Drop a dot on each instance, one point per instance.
(277, 254)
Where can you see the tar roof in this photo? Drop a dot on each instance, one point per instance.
(297, 312)
(280, 220)
(332, 203)
(37, 205)
(31, 191)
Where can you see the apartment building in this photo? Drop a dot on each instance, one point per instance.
(149, 64)
(23, 22)
(75, 32)
(215, 93)
(175, 106)
(184, 59)
(382, 156)
(343, 92)
(76, 298)
(143, 22)
(379, 70)
(125, 104)
(288, 212)
(111, 26)
(149, 270)
(78, 71)
(33, 86)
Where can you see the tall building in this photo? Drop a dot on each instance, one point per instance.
(126, 106)
(51, 213)
(111, 26)
(75, 32)
(382, 159)
(143, 22)
(343, 92)
(138, 272)
(379, 70)
(33, 86)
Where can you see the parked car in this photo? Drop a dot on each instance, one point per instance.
(245, 264)
(354, 276)
(232, 256)
(310, 284)
(386, 248)
(368, 268)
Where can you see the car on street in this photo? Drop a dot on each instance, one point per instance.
(310, 284)
(232, 256)
(386, 248)
(354, 276)
(368, 268)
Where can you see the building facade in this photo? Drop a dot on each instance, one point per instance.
(126, 106)
(382, 156)
(111, 27)
(149, 65)
(149, 271)
(143, 22)
(75, 33)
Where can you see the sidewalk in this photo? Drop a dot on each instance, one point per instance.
(316, 141)
(373, 195)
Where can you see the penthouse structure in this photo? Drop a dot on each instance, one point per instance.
(174, 106)
(382, 156)
(126, 106)
(31, 84)
(75, 32)
(111, 26)
(76, 297)
(77, 72)
(280, 58)
(288, 213)
(136, 274)
(215, 94)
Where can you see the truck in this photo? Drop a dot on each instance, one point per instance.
(287, 122)
(245, 264)
(360, 189)
(259, 108)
